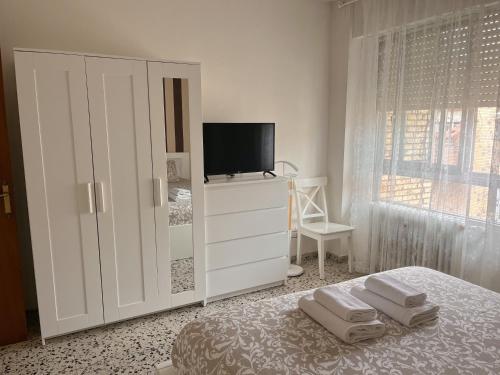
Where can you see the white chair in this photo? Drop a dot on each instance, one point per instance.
(311, 208)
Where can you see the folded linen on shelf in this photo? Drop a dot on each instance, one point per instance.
(349, 332)
(344, 305)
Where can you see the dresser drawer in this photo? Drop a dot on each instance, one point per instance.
(232, 279)
(245, 224)
(228, 199)
(246, 250)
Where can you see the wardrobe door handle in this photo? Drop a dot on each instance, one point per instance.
(90, 197)
(157, 192)
(99, 192)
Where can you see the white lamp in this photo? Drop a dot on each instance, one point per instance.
(293, 269)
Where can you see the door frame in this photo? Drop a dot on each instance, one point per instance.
(12, 316)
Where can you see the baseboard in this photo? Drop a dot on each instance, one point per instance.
(309, 246)
(328, 255)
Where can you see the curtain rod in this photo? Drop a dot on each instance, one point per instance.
(343, 3)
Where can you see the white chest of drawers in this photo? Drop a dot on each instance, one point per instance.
(246, 234)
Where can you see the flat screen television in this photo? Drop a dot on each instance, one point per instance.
(230, 148)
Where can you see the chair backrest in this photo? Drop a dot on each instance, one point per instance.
(309, 205)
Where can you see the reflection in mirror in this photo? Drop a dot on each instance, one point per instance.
(176, 97)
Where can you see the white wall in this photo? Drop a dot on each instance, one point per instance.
(262, 60)
(340, 34)
(341, 26)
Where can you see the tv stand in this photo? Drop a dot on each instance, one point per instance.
(268, 172)
(246, 238)
(232, 175)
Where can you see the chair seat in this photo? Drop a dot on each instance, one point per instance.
(327, 228)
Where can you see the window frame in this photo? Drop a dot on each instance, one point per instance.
(427, 170)
(462, 172)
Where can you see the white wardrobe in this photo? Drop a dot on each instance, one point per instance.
(94, 135)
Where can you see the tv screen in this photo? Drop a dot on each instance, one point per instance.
(230, 148)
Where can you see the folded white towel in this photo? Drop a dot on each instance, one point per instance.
(409, 316)
(346, 331)
(176, 198)
(395, 290)
(344, 304)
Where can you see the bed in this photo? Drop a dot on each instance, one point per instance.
(275, 337)
(180, 210)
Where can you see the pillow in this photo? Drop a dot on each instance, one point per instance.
(172, 171)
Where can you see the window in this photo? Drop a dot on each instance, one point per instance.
(440, 118)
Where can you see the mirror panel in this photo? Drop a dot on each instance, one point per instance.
(176, 106)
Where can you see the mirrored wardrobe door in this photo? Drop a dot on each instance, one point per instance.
(177, 153)
(179, 199)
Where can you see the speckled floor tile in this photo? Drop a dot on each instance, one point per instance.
(135, 346)
(182, 275)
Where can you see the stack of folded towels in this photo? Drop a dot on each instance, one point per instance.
(179, 194)
(396, 299)
(342, 314)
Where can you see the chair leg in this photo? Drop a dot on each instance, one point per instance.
(299, 250)
(350, 250)
(321, 258)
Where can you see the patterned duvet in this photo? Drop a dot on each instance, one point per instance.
(180, 211)
(275, 337)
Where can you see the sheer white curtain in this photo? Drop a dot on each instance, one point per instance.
(423, 126)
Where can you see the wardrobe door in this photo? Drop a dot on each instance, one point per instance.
(55, 132)
(121, 140)
(175, 108)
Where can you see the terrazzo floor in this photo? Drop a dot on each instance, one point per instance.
(182, 274)
(135, 346)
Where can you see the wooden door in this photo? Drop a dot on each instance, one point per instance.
(55, 131)
(121, 140)
(12, 315)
